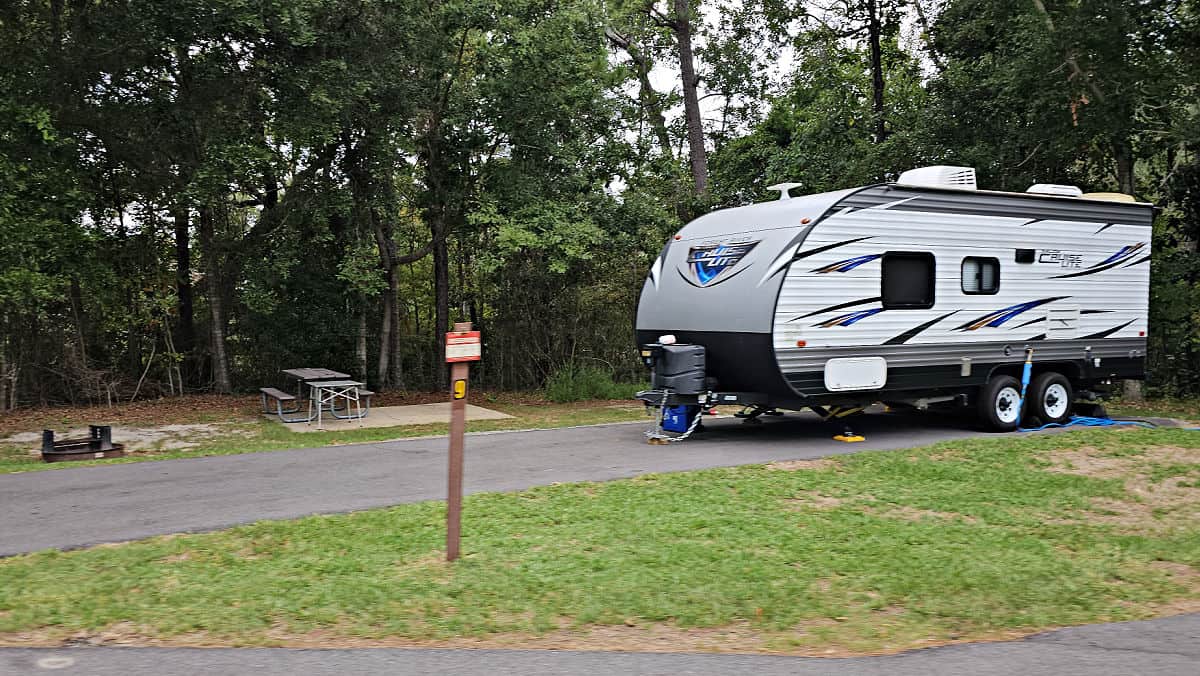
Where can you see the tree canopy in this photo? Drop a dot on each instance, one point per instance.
(197, 193)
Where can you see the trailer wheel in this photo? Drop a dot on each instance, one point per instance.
(1000, 403)
(1050, 397)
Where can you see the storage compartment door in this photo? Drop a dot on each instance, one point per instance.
(855, 373)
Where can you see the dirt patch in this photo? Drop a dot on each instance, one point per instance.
(814, 501)
(907, 513)
(164, 437)
(204, 408)
(149, 413)
(1169, 504)
(1185, 576)
(1180, 573)
(801, 465)
(632, 636)
(946, 455)
(176, 558)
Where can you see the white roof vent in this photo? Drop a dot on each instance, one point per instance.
(1053, 189)
(940, 176)
(784, 189)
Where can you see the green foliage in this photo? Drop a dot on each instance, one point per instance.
(581, 382)
(237, 187)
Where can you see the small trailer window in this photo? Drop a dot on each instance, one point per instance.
(980, 275)
(907, 280)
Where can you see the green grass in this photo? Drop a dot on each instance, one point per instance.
(869, 552)
(267, 435)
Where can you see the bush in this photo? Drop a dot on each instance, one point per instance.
(578, 383)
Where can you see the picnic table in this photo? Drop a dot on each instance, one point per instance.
(327, 393)
(327, 389)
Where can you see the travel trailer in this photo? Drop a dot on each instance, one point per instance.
(922, 292)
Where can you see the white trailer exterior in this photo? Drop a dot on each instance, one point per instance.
(903, 293)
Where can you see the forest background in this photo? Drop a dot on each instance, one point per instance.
(195, 194)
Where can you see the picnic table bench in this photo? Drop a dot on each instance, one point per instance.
(280, 398)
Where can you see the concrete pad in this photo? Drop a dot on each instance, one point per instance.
(395, 416)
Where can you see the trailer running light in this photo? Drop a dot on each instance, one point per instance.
(801, 343)
(678, 237)
(1141, 333)
(805, 221)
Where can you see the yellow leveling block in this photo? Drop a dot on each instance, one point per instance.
(849, 438)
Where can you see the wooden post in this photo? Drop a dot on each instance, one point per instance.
(459, 352)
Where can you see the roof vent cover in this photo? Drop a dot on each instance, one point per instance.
(940, 176)
(1054, 189)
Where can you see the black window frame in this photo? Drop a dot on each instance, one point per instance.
(932, 280)
(962, 278)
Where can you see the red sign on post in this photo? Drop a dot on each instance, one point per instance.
(463, 346)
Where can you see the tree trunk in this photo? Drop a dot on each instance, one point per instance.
(441, 292)
(397, 365)
(222, 384)
(3, 377)
(387, 312)
(698, 158)
(647, 96)
(927, 36)
(185, 336)
(874, 29)
(360, 346)
(1123, 152)
(76, 294)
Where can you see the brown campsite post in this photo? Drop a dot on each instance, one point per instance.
(462, 346)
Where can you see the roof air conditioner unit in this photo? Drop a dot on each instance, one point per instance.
(962, 178)
(1053, 189)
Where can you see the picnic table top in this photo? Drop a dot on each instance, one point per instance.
(315, 374)
(336, 383)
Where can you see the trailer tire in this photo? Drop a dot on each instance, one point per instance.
(1050, 397)
(998, 404)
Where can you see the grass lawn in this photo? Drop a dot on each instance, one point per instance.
(873, 552)
(232, 425)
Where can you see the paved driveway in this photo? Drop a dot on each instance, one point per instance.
(83, 506)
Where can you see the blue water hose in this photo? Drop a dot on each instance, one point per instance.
(1085, 421)
(1075, 420)
(1025, 373)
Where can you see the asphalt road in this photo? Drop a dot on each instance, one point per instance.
(70, 508)
(1169, 646)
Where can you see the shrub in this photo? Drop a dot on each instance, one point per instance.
(574, 382)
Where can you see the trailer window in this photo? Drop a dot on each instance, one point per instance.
(907, 280)
(980, 275)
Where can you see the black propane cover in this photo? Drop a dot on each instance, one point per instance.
(680, 369)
